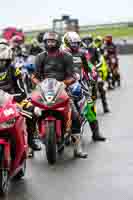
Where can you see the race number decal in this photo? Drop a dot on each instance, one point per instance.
(8, 112)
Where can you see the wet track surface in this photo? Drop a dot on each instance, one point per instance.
(107, 174)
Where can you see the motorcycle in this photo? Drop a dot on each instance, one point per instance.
(13, 142)
(53, 102)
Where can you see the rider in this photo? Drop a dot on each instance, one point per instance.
(102, 69)
(28, 67)
(87, 44)
(35, 47)
(81, 61)
(11, 82)
(55, 63)
(109, 46)
(110, 49)
(15, 44)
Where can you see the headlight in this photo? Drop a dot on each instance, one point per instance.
(49, 98)
(8, 124)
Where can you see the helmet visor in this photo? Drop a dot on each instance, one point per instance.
(75, 45)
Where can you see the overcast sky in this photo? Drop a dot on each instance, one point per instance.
(24, 13)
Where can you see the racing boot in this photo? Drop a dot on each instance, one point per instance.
(110, 80)
(30, 153)
(105, 104)
(111, 87)
(33, 138)
(96, 137)
(118, 80)
(78, 152)
(102, 92)
(34, 142)
(119, 83)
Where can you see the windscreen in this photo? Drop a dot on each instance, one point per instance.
(4, 97)
(49, 87)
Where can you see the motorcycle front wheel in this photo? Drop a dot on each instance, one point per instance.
(4, 174)
(51, 147)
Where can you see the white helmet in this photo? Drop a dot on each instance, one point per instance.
(4, 41)
(5, 52)
(71, 37)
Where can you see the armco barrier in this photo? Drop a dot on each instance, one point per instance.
(125, 49)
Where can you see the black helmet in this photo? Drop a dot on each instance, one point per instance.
(87, 40)
(40, 37)
(53, 36)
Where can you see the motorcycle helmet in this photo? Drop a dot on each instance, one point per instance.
(34, 42)
(52, 41)
(87, 41)
(98, 42)
(34, 47)
(6, 56)
(76, 90)
(108, 39)
(40, 37)
(72, 40)
(16, 41)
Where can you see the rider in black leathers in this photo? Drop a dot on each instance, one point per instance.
(55, 63)
(11, 82)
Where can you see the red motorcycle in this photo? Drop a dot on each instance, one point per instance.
(13, 142)
(53, 103)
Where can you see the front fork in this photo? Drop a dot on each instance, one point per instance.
(5, 154)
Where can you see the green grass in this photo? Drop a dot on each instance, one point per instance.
(116, 32)
(29, 37)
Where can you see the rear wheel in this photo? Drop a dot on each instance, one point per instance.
(51, 143)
